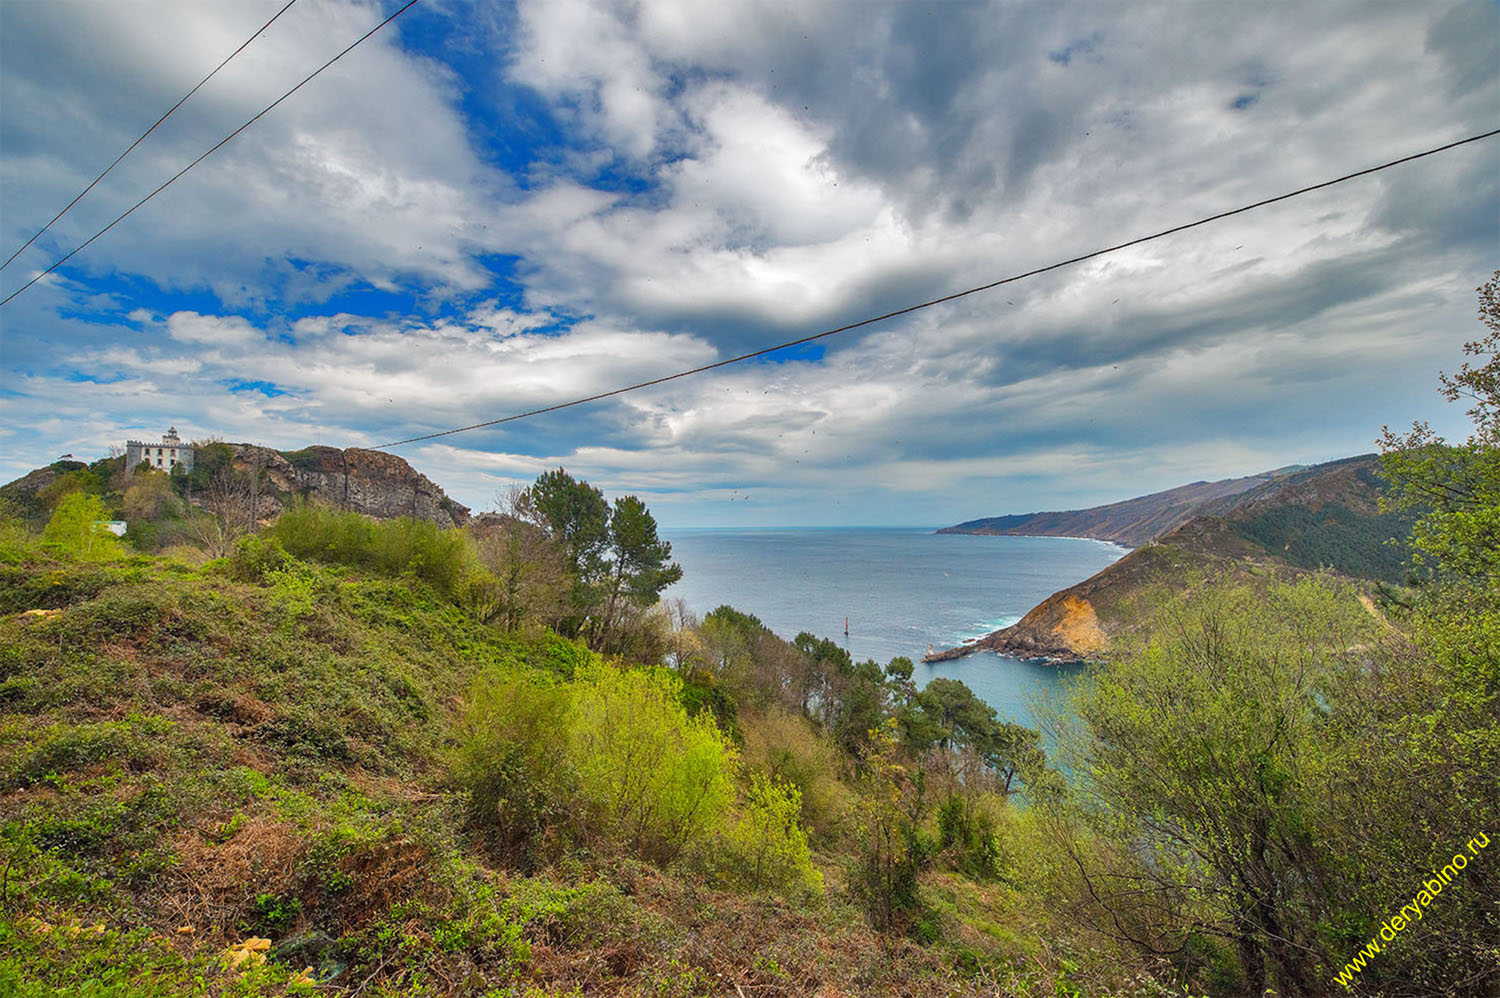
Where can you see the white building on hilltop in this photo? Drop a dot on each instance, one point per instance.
(165, 455)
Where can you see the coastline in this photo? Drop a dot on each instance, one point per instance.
(1007, 642)
(1124, 548)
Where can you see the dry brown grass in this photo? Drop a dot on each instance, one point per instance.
(214, 884)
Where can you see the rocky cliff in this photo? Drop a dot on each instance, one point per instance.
(1323, 518)
(366, 481)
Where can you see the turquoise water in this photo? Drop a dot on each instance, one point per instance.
(902, 589)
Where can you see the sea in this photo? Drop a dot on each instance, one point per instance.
(903, 590)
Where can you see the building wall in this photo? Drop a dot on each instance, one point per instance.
(162, 455)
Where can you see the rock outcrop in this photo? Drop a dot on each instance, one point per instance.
(371, 482)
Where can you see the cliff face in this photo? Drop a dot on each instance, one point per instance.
(1326, 517)
(366, 481)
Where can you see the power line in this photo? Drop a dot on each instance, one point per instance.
(219, 145)
(947, 298)
(145, 134)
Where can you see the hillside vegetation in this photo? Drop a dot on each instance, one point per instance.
(1324, 519)
(342, 761)
(387, 758)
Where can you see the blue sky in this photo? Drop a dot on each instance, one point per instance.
(488, 208)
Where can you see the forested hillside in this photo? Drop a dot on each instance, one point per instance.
(383, 757)
(1324, 519)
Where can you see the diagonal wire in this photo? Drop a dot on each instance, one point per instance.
(953, 297)
(219, 145)
(144, 135)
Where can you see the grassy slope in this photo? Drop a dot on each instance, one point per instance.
(187, 761)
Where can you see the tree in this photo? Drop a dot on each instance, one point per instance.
(618, 563)
(946, 714)
(576, 515)
(150, 497)
(758, 668)
(528, 574)
(76, 526)
(226, 514)
(1456, 487)
(638, 568)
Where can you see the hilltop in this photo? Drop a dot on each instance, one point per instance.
(1321, 518)
(370, 482)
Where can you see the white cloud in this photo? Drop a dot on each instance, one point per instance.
(727, 173)
(367, 174)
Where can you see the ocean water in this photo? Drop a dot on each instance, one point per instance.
(902, 590)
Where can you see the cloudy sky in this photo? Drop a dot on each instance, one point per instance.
(486, 209)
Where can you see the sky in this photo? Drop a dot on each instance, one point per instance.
(490, 208)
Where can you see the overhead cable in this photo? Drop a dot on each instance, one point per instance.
(952, 297)
(219, 145)
(145, 134)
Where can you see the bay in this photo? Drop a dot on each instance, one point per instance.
(903, 590)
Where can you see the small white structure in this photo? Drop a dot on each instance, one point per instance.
(168, 453)
(116, 527)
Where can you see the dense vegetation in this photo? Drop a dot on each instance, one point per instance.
(383, 758)
(1334, 538)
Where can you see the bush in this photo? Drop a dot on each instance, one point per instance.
(444, 559)
(763, 846)
(968, 833)
(513, 761)
(614, 760)
(76, 528)
(314, 532)
(253, 558)
(17, 541)
(650, 776)
(789, 749)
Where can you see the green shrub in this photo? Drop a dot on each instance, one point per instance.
(512, 759)
(323, 534)
(650, 776)
(444, 559)
(611, 759)
(788, 748)
(17, 541)
(967, 831)
(274, 912)
(580, 915)
(254, 557)
(763, 846)
(76, 528)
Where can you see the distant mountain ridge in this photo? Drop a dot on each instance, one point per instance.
(1324, 517)
(1131, 522)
